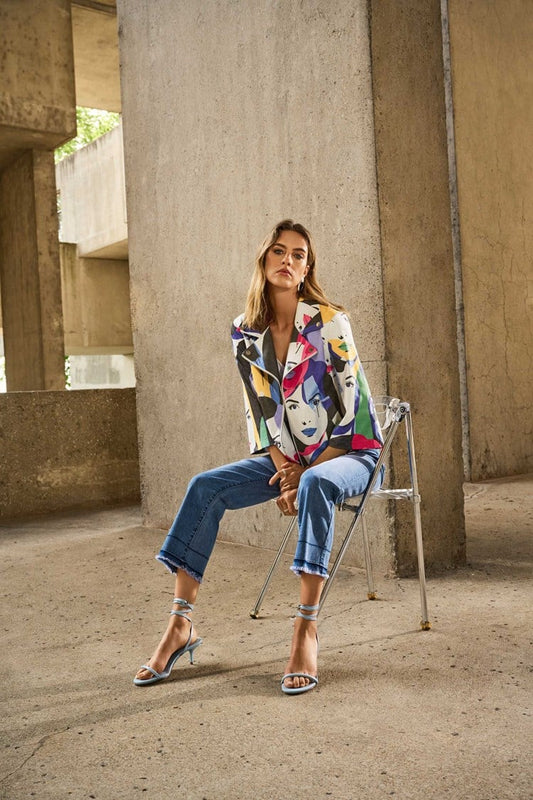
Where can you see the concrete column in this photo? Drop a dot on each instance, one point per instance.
(418, 273)
(492, 64)
(30, 274)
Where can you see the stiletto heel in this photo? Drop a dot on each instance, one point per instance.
(303, 612)
(187, 648)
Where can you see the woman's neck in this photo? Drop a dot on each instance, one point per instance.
(283, 305)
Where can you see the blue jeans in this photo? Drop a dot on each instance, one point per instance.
(191, 538)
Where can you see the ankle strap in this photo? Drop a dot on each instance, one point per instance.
(306, 615)
(185, 603)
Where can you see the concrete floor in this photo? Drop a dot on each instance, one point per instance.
(398, 712)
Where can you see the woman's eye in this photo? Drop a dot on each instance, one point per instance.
(349, 383)
(292, 406)
(315, 401)
(278, 252)
(299, 256)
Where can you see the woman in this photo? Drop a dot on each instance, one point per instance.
(314, 435)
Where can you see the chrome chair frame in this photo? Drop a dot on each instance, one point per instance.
(395, 412)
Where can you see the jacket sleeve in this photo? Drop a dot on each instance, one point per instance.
(358, 428)
(259, 437)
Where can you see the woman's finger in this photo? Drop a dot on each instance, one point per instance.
(275, 477)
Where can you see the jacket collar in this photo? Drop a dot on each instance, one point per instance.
(261, 349)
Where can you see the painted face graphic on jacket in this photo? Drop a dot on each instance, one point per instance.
(309, 418)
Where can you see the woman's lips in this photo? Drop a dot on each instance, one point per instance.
(284, 272)
(309, 431)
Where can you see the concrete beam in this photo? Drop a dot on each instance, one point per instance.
(37, 95)
(418, 270)
(30, 275)
(96, 62)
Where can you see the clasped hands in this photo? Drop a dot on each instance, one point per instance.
(289, 478)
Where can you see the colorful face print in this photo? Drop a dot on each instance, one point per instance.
(340, 343)
(309, 418)
(323, 398)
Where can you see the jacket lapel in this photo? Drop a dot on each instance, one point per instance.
(307, 318)
(261, 351)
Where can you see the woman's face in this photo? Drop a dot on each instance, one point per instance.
(286, 261)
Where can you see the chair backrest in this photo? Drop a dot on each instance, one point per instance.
(386, 408)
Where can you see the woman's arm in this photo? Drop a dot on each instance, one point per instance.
(278, 458)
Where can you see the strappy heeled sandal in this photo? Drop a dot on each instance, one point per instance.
(303, 612)
(189, 647)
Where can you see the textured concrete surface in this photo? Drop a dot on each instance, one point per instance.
(418, 271)
(95, 37)
(493, 102)
(398, 712)
(37, 100)
(237, 115)
(30, 275)
(67, 449)
(96, 304)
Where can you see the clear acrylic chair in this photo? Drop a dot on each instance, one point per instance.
(391, 413)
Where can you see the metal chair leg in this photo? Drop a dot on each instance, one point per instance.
(368, 561)
(359, 511)
(425, 624)
(255, 611)
(337, 562)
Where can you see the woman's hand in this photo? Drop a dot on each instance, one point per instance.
(288, 475)
(286, 503)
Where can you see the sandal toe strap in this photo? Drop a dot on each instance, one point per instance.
(312, 678)
(152, 670)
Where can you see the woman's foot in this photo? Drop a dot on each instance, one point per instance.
(174, 638)
(304, 652)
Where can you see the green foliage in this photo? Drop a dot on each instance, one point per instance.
(91, 123)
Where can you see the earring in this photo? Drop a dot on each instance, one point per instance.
(301, 285)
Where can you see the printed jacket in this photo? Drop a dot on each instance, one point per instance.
(319, 398)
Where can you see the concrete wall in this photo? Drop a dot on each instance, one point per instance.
(96, 304)
(235, 116)
(90, 183)
(67, 449)
(492, 65)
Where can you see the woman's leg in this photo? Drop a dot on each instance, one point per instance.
(191, 538)
(193, 533)
(178, 628)
(304, 647)
(320, 489)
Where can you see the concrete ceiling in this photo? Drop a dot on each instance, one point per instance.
(96, 59)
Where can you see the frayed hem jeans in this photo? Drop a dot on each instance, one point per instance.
(244, 483)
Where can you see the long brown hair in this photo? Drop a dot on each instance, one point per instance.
(258, 312)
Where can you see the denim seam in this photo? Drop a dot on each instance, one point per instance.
(204, 511)
(214, 497)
